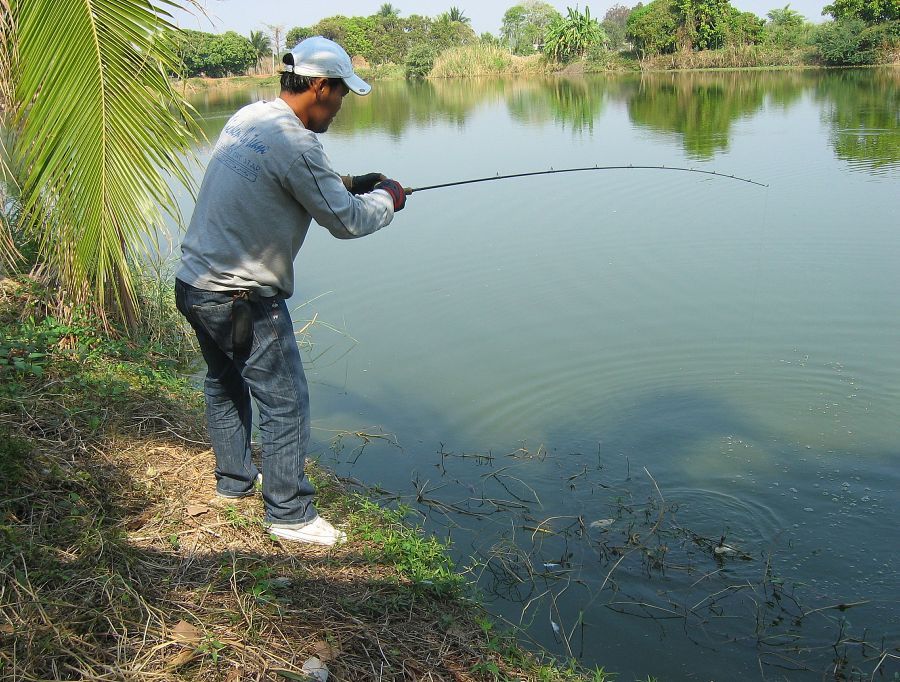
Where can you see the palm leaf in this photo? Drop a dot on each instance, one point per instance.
(8, 252)
(99, 132)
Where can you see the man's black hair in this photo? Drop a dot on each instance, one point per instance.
(295, 84)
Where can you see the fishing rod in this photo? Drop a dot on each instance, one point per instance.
(577, 170)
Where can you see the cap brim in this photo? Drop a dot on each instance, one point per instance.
(357, 84)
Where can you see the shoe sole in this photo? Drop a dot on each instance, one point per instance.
(310, 540)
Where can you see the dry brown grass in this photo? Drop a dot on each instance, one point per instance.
(120, 563)
(733, 57)
(485, 60)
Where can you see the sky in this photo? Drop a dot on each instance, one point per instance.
(244, 16)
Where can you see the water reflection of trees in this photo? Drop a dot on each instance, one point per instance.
(861, 106)
(699, 107)
(863, 109)
(574, 103)
(393, 106)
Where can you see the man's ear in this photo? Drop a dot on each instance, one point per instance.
(318, 87)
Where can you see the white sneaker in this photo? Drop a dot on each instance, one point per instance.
(317, 532)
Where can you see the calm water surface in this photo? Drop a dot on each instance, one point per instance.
(659, 409)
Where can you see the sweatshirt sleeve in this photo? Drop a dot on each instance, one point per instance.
(319, 189)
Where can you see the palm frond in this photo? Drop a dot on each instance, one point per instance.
(8, 252)
(98, 133)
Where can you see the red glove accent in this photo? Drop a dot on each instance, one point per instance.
(395, 189)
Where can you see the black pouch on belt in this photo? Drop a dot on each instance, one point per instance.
(241, 324)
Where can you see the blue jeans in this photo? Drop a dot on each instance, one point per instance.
(272, 373)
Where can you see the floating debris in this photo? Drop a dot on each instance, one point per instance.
(602, 523)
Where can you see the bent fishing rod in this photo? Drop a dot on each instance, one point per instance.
(411, 190)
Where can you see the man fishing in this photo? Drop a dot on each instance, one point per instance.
(268, 178)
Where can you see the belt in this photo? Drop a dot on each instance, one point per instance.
(254, 294)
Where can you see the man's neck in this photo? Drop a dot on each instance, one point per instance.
(299, 103)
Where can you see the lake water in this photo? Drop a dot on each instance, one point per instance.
(659, 409)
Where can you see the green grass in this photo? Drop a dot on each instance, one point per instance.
(422, 560)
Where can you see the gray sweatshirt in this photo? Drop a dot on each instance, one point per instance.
(267, 179)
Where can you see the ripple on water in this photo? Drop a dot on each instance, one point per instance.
(748, 523)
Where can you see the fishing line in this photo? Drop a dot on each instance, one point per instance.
(762, 232)
(588, 168)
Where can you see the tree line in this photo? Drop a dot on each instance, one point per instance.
(857, 31)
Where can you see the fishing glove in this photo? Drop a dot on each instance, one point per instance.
(395, 189)
(363, 184)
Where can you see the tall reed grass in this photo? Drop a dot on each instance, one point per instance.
(734, 57)
(485, 60)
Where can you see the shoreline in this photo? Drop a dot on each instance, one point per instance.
(199, 84)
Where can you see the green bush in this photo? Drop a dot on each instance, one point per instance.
(419, 61)
(884, 37)
(844, 43)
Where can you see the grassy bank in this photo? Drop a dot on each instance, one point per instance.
(117, 561)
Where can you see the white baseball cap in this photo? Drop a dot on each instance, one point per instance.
(319, 56)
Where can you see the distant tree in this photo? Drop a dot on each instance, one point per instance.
(276, 31)
(445, 33)
(703, 24)
(525, 25)
(743, 28)
(785, 17)
(214, 55)
(614, 25)
(513, 27)
(388, 17)
(786, 27)
(385, 37)
(262, 45)
(388, 11)
(233, 54)
(354, 34)
(295, 35)
(572, 36)
(456, 14)
(869, 11)
(652, 28)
